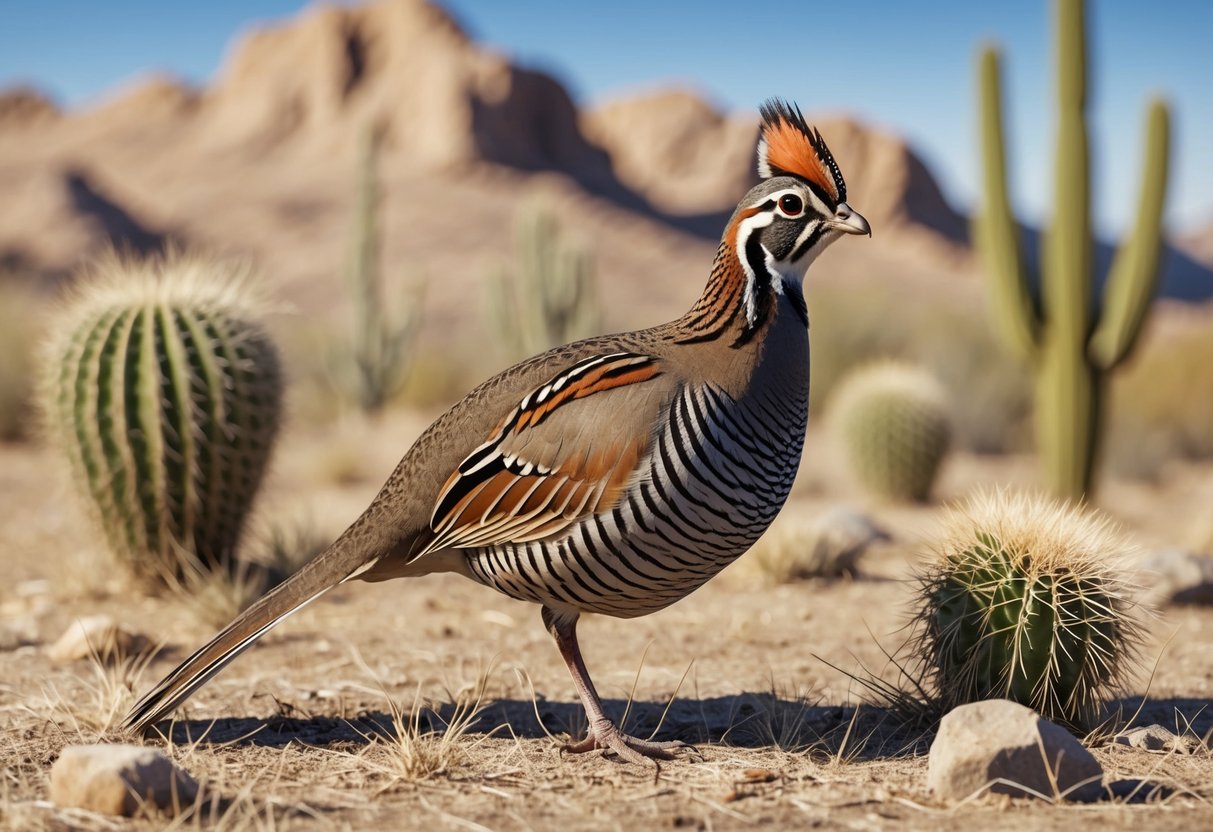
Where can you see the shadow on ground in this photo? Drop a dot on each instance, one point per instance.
(748, 720)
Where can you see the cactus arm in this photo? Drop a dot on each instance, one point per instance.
(997, 235)
(1134, 275)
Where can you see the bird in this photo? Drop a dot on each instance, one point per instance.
(613, 475)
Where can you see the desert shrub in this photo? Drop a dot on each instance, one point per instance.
(1025, 600)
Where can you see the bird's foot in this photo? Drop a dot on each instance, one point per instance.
(605, 737)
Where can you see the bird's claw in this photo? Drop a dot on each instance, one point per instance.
(610, 740)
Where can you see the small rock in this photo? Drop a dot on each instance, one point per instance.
(96, 635)
(1174, 576)
(840, 538)
(119, 779)
(1004, 745)
(1157, 738)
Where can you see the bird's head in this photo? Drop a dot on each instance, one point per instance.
(799, 208)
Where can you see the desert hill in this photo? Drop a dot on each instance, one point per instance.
(684, 155)
(261, 162)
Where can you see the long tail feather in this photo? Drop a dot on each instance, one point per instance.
(338, 563)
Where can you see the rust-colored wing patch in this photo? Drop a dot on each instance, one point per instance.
(499, 494)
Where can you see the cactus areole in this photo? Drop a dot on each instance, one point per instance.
(1072, 341)
(165, 395)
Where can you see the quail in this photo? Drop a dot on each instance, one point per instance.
(613, 475)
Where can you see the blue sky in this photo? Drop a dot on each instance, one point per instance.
(905, 65)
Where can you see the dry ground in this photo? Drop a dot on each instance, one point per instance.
(292, 735)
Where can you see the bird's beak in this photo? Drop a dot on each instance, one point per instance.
(849, 221)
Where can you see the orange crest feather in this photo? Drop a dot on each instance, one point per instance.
(789, 147)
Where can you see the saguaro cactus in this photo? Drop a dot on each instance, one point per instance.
(380, 352)
(165, 394)
(1072, 341)
(548, 297)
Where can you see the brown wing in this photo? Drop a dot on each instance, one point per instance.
(566, 451)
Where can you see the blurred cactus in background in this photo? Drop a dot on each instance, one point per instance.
(164, 392)
(1071, 341)
(1024, 602)
(893, 422)
(20, 323)
(548, 297)
(380, 350)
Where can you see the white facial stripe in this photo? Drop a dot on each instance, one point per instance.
(785, 272)
(747, 227)
(818, 204)
(809, 228)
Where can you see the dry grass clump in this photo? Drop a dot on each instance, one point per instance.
(1026, 599)
(97, 701)
(215, 596)
(795, 549)
(423, 744)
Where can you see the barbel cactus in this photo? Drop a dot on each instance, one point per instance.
(894, 425)
(164, 393)
(1025, 601)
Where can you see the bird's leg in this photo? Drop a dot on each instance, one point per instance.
(603, 734)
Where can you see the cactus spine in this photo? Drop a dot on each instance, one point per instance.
(1072, 345)
(548, 298)
(1024, 602)
(381, 344)
(894, 426)
(164, 393)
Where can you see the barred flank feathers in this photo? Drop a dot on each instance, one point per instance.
(164, 394)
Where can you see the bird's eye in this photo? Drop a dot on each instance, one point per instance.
(791, 204)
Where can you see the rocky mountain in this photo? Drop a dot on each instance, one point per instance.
(261, 162)
(684, 155)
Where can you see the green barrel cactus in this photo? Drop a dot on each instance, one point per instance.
(1024, 601)
(894, 426)
(164, 392)
(1072, 340)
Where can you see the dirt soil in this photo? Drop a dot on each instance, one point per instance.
(294, 734)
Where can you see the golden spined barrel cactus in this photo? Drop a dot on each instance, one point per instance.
(164, 392)
(1025, 601)
(893, 422)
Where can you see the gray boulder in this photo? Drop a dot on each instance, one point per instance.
(1006, 748)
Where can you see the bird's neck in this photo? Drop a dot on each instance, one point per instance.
(740, 301)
